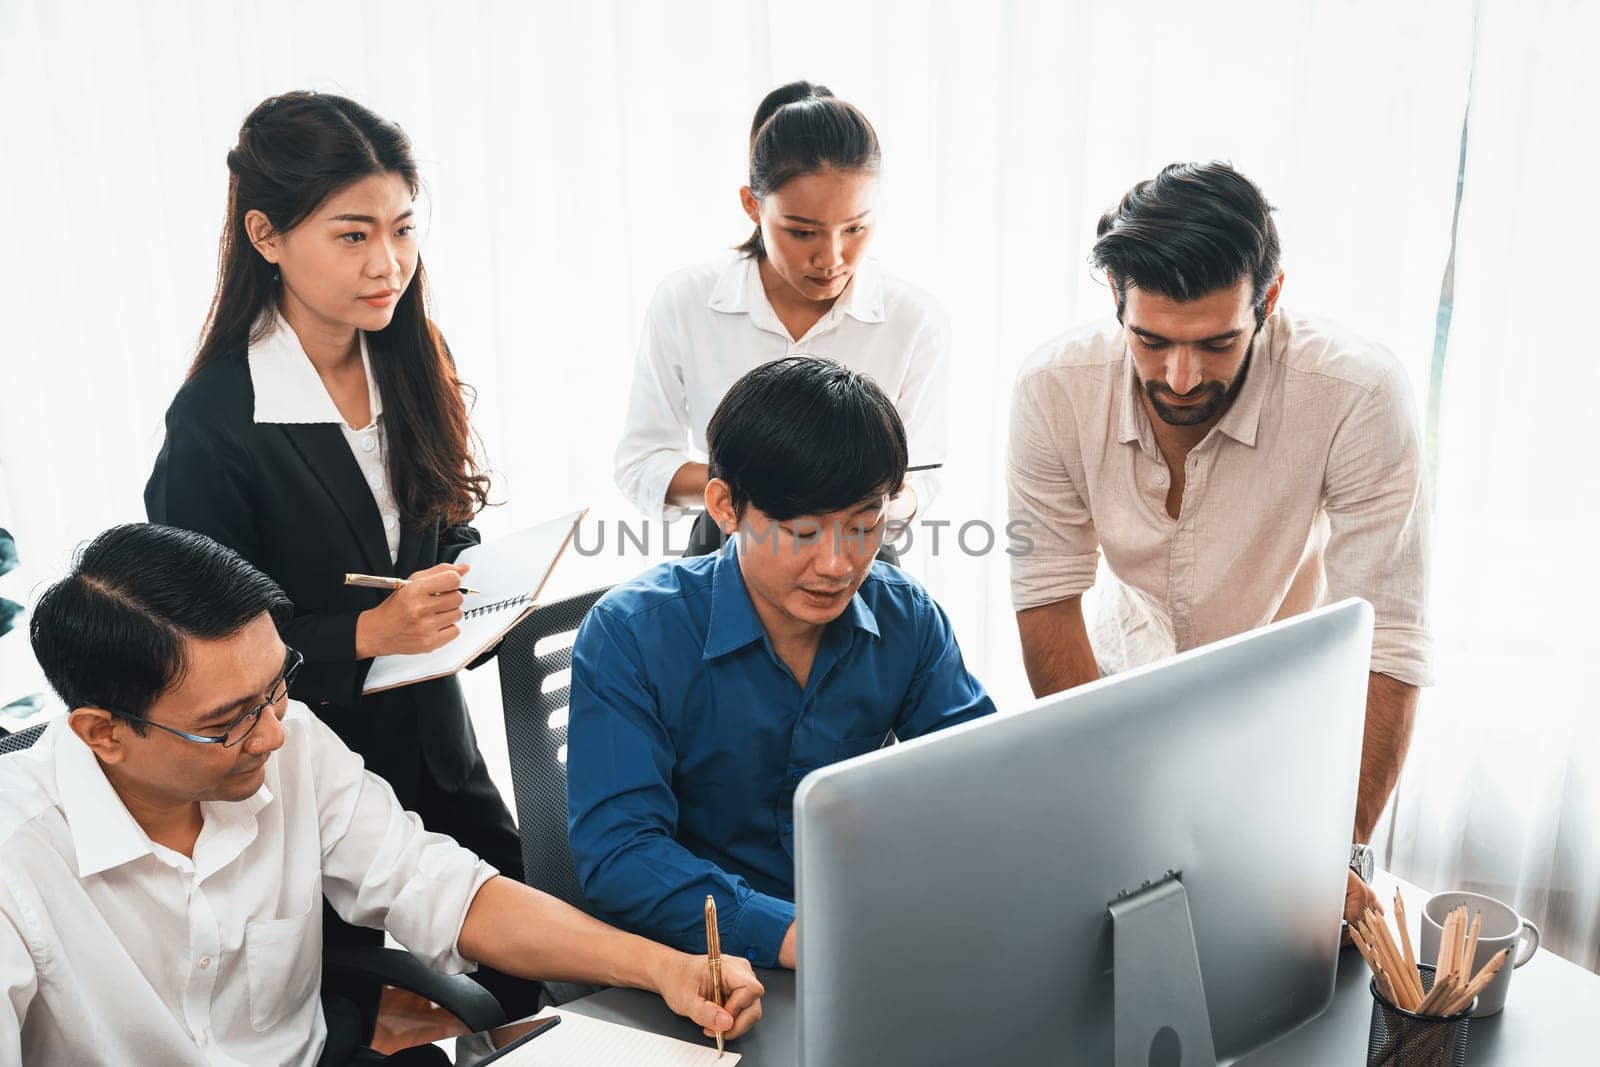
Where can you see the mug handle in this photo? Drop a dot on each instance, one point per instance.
(1532, 943)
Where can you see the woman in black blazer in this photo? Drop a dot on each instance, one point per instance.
(322, 430)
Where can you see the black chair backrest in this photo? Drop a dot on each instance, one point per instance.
(21, 739)
(536, 738)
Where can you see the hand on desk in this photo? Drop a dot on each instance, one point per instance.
(687, 991)
(1358, 896)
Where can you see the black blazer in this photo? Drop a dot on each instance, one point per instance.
(291, 499)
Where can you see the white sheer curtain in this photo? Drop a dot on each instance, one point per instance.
(576, 151)
(1502, 791)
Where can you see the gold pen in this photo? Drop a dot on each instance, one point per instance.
(714, 959)
(378, 581)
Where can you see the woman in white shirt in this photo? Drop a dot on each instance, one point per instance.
(801, 283)
(322, 430)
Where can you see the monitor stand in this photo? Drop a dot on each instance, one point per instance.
(1158, 1002)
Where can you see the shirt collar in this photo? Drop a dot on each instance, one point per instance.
(1243, 417)
(286, 385)
(734, 622)
(738, 291)
(1133, 420)
(104, 833)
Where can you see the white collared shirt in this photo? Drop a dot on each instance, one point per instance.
(710, 324)
(289, 390)
(114, 949)
(1308, 490)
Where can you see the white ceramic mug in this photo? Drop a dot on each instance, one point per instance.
(1502, 928)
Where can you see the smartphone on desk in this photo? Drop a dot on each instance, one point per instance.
(506, 1039)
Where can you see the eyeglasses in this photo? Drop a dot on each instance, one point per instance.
(239, 729)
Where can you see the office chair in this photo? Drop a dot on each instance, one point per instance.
(20, 740)
(456, 993)
(536, 738)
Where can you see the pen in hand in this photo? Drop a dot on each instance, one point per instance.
(378, 581)
(714, 958)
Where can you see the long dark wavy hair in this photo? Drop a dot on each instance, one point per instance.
(293, 152)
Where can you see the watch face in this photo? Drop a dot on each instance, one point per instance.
(1362, 862)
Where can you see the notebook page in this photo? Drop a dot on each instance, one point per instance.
(510, 568)
(515, 565)
(579, 1041)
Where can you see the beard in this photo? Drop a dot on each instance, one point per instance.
(1204, 401)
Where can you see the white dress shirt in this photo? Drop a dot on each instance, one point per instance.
(289, 390)
(117, 950)
(1308, 490)
(708, 325)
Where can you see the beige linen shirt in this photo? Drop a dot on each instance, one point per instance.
(1307, 491)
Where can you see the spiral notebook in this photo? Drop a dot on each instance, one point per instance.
(509, 574)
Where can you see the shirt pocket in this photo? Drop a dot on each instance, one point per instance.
(282, 969)
(855, 746)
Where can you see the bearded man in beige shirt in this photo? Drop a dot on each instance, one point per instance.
(1233, 462)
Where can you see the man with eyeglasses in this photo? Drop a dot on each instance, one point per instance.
(704, 690)
(164, 847)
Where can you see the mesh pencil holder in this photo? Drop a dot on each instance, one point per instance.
(1400, 1038)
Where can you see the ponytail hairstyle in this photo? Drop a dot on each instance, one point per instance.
(802, 129)
(294, 151)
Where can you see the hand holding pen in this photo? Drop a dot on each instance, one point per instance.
(714, 958)
(419, 616)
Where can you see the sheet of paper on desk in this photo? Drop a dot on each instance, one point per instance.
(580, 1041)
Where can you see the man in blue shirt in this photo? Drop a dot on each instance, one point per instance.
(706, 689)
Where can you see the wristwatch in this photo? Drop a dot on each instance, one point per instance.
(1362, 861)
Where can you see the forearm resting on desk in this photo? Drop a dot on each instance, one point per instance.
(1055, 646)
(522, 931)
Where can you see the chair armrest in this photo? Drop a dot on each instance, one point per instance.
(456, 993)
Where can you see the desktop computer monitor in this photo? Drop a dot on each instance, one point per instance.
(957, 893)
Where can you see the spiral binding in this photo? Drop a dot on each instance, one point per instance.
(498, 605)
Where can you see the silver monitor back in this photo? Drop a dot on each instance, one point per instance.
(952, 891)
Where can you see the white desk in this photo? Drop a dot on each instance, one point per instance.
(1551, 1016)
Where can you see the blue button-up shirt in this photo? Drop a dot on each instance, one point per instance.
(687, 737)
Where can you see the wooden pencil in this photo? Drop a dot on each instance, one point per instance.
(1405, 933)
(1471, 949)
(1377, 931)
(1476, 986)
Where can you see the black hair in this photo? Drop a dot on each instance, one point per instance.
(806, 436)
(800, 129)
(1191, 230)
(294, 151)
(111, 633)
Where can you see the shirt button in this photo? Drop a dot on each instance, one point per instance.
(205, 962)
(1161, 479)
(388, 522)
(377, 481)
(369, 442)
